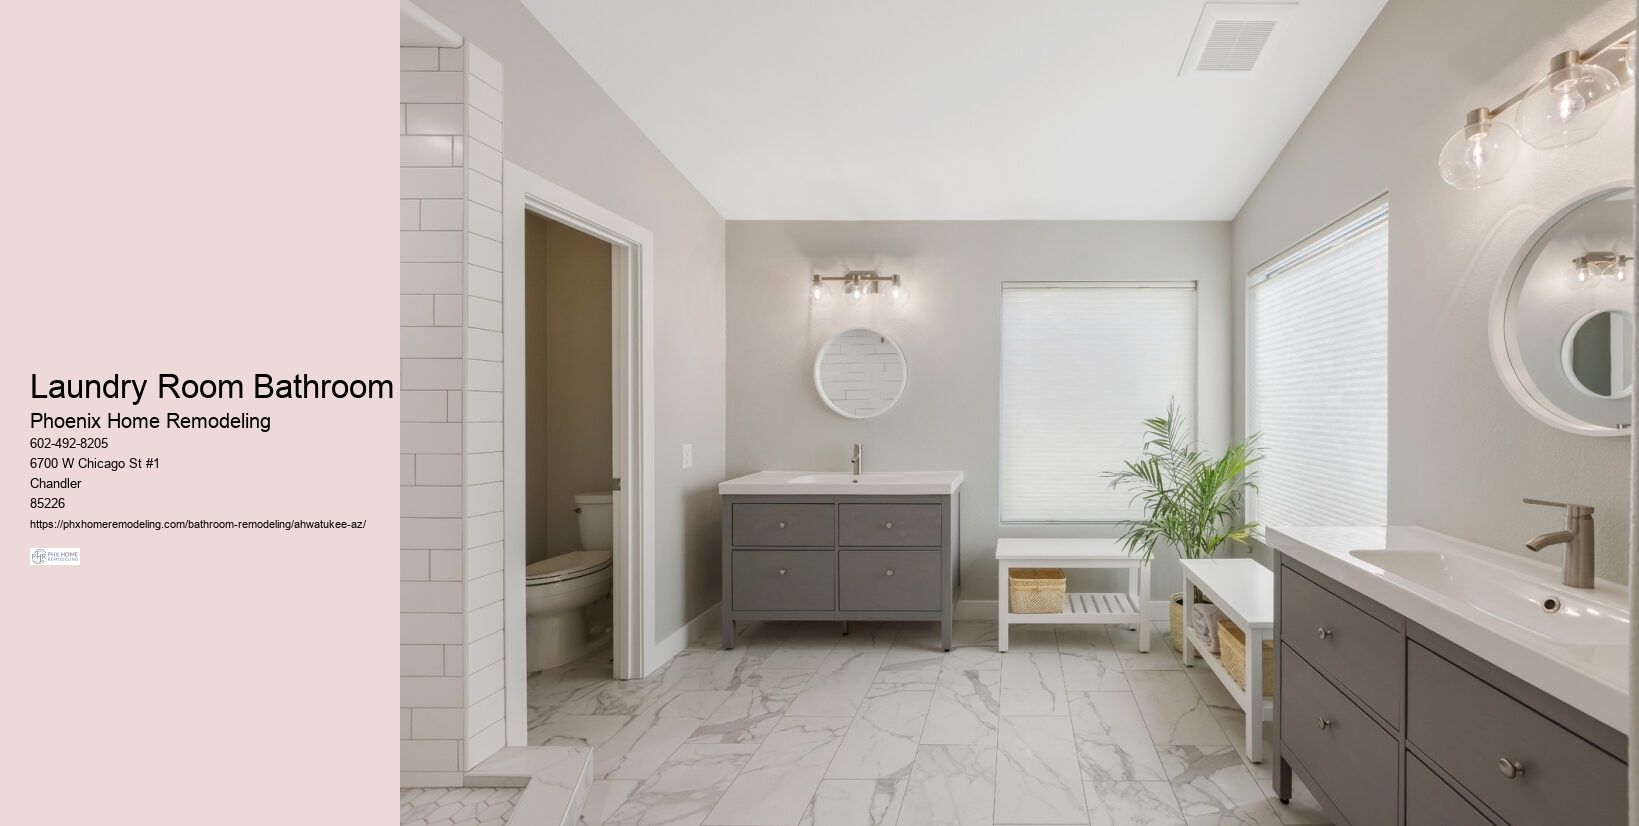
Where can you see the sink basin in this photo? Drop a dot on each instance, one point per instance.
(820, 483)
(1524, 599)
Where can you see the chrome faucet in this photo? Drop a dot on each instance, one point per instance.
(859, 459)
(1577, 538)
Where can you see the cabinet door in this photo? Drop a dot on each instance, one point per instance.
(1353, 760)
(784, 525)
(888, 580)
(1468, 727)
(891, 525)
(1430, 802)
(1347, 644)
(785, 581)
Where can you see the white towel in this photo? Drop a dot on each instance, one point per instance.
(1205, 619)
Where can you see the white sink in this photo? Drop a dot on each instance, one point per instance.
(1487, 601)
(1521, 599)
(820, 483)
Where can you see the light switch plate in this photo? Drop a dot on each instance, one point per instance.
(688, 456)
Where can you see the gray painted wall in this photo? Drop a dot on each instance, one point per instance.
(1462, 453)
(569, 388)
(560, 125)
(949, 331)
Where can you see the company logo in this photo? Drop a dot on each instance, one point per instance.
(54, 556)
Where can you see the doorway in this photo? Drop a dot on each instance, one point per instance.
(630, 468)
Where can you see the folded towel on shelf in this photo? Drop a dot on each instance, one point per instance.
(1205, 618)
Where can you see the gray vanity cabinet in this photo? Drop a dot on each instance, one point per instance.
(1390, 724)
(839, 558)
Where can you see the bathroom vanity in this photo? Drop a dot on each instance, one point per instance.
(1429, 682)
(838, 546)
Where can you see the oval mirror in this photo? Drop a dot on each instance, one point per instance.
(1562, 330)
(1599, 354)
(860, 373)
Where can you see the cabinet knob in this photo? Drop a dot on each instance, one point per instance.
(1323, 633)
(782, 525)
(782, 572)
(1509, 768)
(890, 572)
(1325, 723)
(890, 526)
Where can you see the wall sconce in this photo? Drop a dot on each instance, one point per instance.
(1560, 109)
(856, 285)
(1590, 267)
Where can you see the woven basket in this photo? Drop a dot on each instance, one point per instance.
(1232, 642)
(1035, 590)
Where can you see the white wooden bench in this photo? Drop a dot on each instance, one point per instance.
(1119, 608)
(1245, 591)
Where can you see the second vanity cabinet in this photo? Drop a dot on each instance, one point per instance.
(792, 557)
(1388, 723)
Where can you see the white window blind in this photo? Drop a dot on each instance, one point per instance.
(1083, 365)
(1319, 379)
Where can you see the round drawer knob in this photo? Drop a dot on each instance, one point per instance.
(1509, 768)
(782, 525)
(890, 526)
(782, 572)
(890, 572)
(1323, 633)
(1325, 723)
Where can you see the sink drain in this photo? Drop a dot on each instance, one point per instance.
(1552, 605)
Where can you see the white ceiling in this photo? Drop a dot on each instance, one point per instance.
(953, 109)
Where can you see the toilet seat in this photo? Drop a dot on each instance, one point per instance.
(567, 566)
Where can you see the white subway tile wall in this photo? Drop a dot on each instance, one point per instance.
(451, 692)
(483, 665)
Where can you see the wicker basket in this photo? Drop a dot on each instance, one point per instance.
(1232, 642)
(1035, 590)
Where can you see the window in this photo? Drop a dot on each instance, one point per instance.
(1319, 377)
(1083, 365)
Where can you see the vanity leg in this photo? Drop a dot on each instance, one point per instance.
(1189, 603)
(728, 633)
(945, 630)
(845, 628)
(1254, 693)
(1283, 781)
(1002, 606)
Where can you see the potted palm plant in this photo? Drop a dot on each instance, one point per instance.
(1192, 500)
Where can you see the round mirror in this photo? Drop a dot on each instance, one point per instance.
(1599, 354)
(1563, 331)
(860, 373)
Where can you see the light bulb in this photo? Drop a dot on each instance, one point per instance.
(856, 290)
(1567, 101)
(1563, 107)
(897, 292)
(1479, 153)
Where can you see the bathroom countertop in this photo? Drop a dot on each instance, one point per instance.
(1592, 678)
(828, 483)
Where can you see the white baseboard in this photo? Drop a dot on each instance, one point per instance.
(710, 620)
(980, 610)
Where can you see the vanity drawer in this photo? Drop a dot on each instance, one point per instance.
(785, 581)
(806, 525)
(887, 525)
(1351, 757)
(1351, 646)
(1466, 727)
(888, 580)
(1430, 802)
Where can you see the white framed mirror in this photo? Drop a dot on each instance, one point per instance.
(1562, 327)
(860, 373)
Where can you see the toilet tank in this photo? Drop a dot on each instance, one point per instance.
(596, 514)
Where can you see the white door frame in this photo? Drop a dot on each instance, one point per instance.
(633, 410)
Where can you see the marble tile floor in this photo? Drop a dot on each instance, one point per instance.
(800, 725)
(456, 807)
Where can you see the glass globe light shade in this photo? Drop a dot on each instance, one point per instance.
(1632, 55)
(1561, 108)
(818, 293)
(1479, 153)
(898, 292)
(1580, 275)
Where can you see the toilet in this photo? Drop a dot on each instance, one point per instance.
(566, 594)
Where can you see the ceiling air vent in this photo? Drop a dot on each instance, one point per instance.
(1230, 37)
